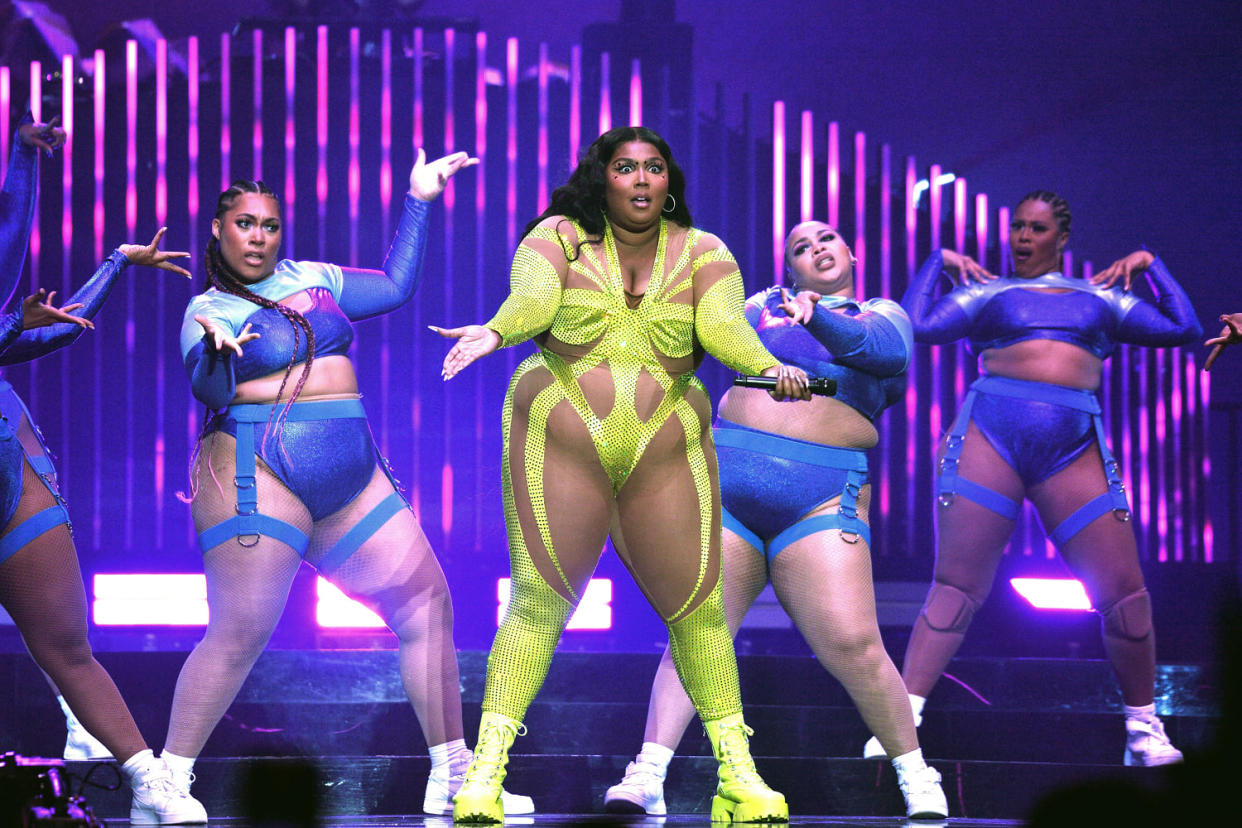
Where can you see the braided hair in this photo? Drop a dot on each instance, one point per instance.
(582, 198)
(1059, 206)
(222, 278)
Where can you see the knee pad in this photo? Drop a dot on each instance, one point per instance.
(948, 609)
(1129, 618)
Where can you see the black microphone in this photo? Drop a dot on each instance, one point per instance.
(819, 385)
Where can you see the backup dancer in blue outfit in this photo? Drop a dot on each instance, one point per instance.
(795, 494)
(1031, 428)
(287, 470)
(40, 581)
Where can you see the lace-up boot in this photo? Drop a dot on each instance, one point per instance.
(741, 795)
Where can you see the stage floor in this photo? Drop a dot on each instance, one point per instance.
(618, 821)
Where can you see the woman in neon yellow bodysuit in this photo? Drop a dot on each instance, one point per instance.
(607, 431)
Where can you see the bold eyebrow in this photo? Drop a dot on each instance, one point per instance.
(646, 160)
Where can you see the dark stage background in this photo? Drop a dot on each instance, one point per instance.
(1130, 112)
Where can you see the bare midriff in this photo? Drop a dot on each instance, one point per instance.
(331, 377)
(821, 420)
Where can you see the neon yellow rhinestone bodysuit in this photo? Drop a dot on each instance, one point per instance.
(625, 369)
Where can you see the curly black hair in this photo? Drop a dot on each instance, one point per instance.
(581, 198)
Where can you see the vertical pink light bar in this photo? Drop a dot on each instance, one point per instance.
(860, 214)
(834, 173)
(1144, 493)
(416, 406)
(911, 401)
(1162, 481)
(256, 128)
(192, 201)
(1190, 508)
(450, 192)
(36, 235)
(778, 190)
(937, 377)
(66, 241)
(417, 132)
(886, 290)
(1122, 359)
(960, 208)
(1205, 413)
(355, 128)
(1002, 239)
(99, 98)
(807, 157)
(226, 114)
(1173, 483)
(605, 93)
(511, 151)
(1067, 263)
(575, 104)
(636, 93)
(6, 95)
(225, 111)
(385, 185)
(542, 158)
(321, 135)
(290, 199)
(131, 228)
(981, 229)
(482, 423)
(161, 321)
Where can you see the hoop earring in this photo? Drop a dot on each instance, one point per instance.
(666, 208)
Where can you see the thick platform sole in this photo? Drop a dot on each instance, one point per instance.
(726, 810)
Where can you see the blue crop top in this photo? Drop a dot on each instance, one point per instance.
(337, 297)
(1009, 310)
(866, 349)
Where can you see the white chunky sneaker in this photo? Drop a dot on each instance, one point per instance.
(442, 785)
(80, 745)
(924, 797)
(1147, 744)
(158, 800)
(640, 791)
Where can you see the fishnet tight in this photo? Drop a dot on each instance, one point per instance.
(41, 588)
(655, 524)
(395, 573)
(970, 540)
(825, 585)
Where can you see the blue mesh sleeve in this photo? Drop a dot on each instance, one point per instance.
(936, 321)
(39, 341)
(1170, 321)
(367, 293)
(870, 342)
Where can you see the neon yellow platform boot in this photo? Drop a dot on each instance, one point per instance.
(478, 801)
(742, 795)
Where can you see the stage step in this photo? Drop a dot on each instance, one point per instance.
(350, 702)
(575, 784)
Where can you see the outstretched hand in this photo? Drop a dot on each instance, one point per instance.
(1231, 334)
(47, 137)
(221, 339)
(1123, 270)
(966, 268)
(801, 306)
(39, 310)
(473, 342)
(150, 255)
(428, 179)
